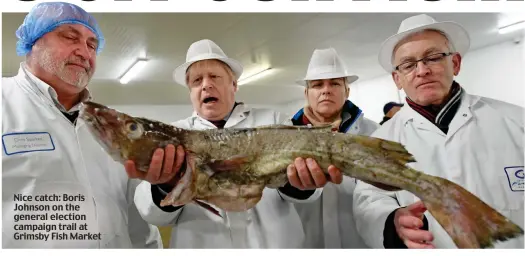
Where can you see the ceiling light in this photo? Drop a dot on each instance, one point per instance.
(133, 71)
(512, 27)
(255, 76)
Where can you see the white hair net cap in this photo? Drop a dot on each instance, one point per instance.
(45, 17)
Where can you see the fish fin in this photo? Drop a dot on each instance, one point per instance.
(393, 150)
(397, 151)
(275, 126)
(327, 128)
(231, 164)
(470, 222)
(321, 128)
(207, 207)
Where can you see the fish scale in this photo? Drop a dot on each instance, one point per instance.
(229, 168)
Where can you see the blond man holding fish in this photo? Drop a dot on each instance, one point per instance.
(211, 78)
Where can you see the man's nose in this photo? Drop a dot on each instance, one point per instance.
(207, 83)
(422, 69)
(326, 89)
(84, 51)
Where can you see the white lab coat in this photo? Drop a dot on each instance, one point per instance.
(44, 153)
(484, 139)
(272, 223)
(328, 221)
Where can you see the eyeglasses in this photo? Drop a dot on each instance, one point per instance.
(430, 60)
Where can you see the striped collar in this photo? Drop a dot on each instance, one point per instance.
(442, 115)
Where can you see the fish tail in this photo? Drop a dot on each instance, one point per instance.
(469, 221)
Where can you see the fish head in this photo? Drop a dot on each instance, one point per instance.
(125, 137)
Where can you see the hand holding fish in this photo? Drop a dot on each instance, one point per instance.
(164, 166)
(231, 168)
(306, 174)
(407, 221)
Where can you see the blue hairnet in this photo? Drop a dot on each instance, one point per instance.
(45, 17)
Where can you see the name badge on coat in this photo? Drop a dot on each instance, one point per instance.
(24, 142)
(515, 176)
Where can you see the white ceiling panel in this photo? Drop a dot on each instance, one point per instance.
(283, 41)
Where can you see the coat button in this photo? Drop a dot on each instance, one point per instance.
(464, 115)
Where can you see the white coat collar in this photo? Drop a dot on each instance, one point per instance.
(409, 115)
(47, 90)
(239, 113)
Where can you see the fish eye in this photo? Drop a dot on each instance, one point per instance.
(132, 127)
(134, 130)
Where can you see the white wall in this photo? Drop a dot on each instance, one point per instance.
(291, 108)
(496, 71)
(163, 113)
(371, 95)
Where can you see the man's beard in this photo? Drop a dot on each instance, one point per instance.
(77, 78)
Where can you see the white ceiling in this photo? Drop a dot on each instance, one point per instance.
(283, 41)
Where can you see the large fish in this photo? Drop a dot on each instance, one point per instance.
(229, 168)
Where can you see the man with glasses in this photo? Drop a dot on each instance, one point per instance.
(474, 141)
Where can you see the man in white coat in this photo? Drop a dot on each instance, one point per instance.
(59, 188)
(474, 141)
(211, 78)
(328, 221)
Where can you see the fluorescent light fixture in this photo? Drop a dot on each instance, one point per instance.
(255, 76)
(512, 27)
(133, 70)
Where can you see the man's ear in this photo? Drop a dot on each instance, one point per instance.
(456, 63)
(235, 86)
(35, 50)
(347, 91)
(397, 80)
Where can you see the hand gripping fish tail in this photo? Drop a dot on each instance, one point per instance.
(470, 222)
(229, 168)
